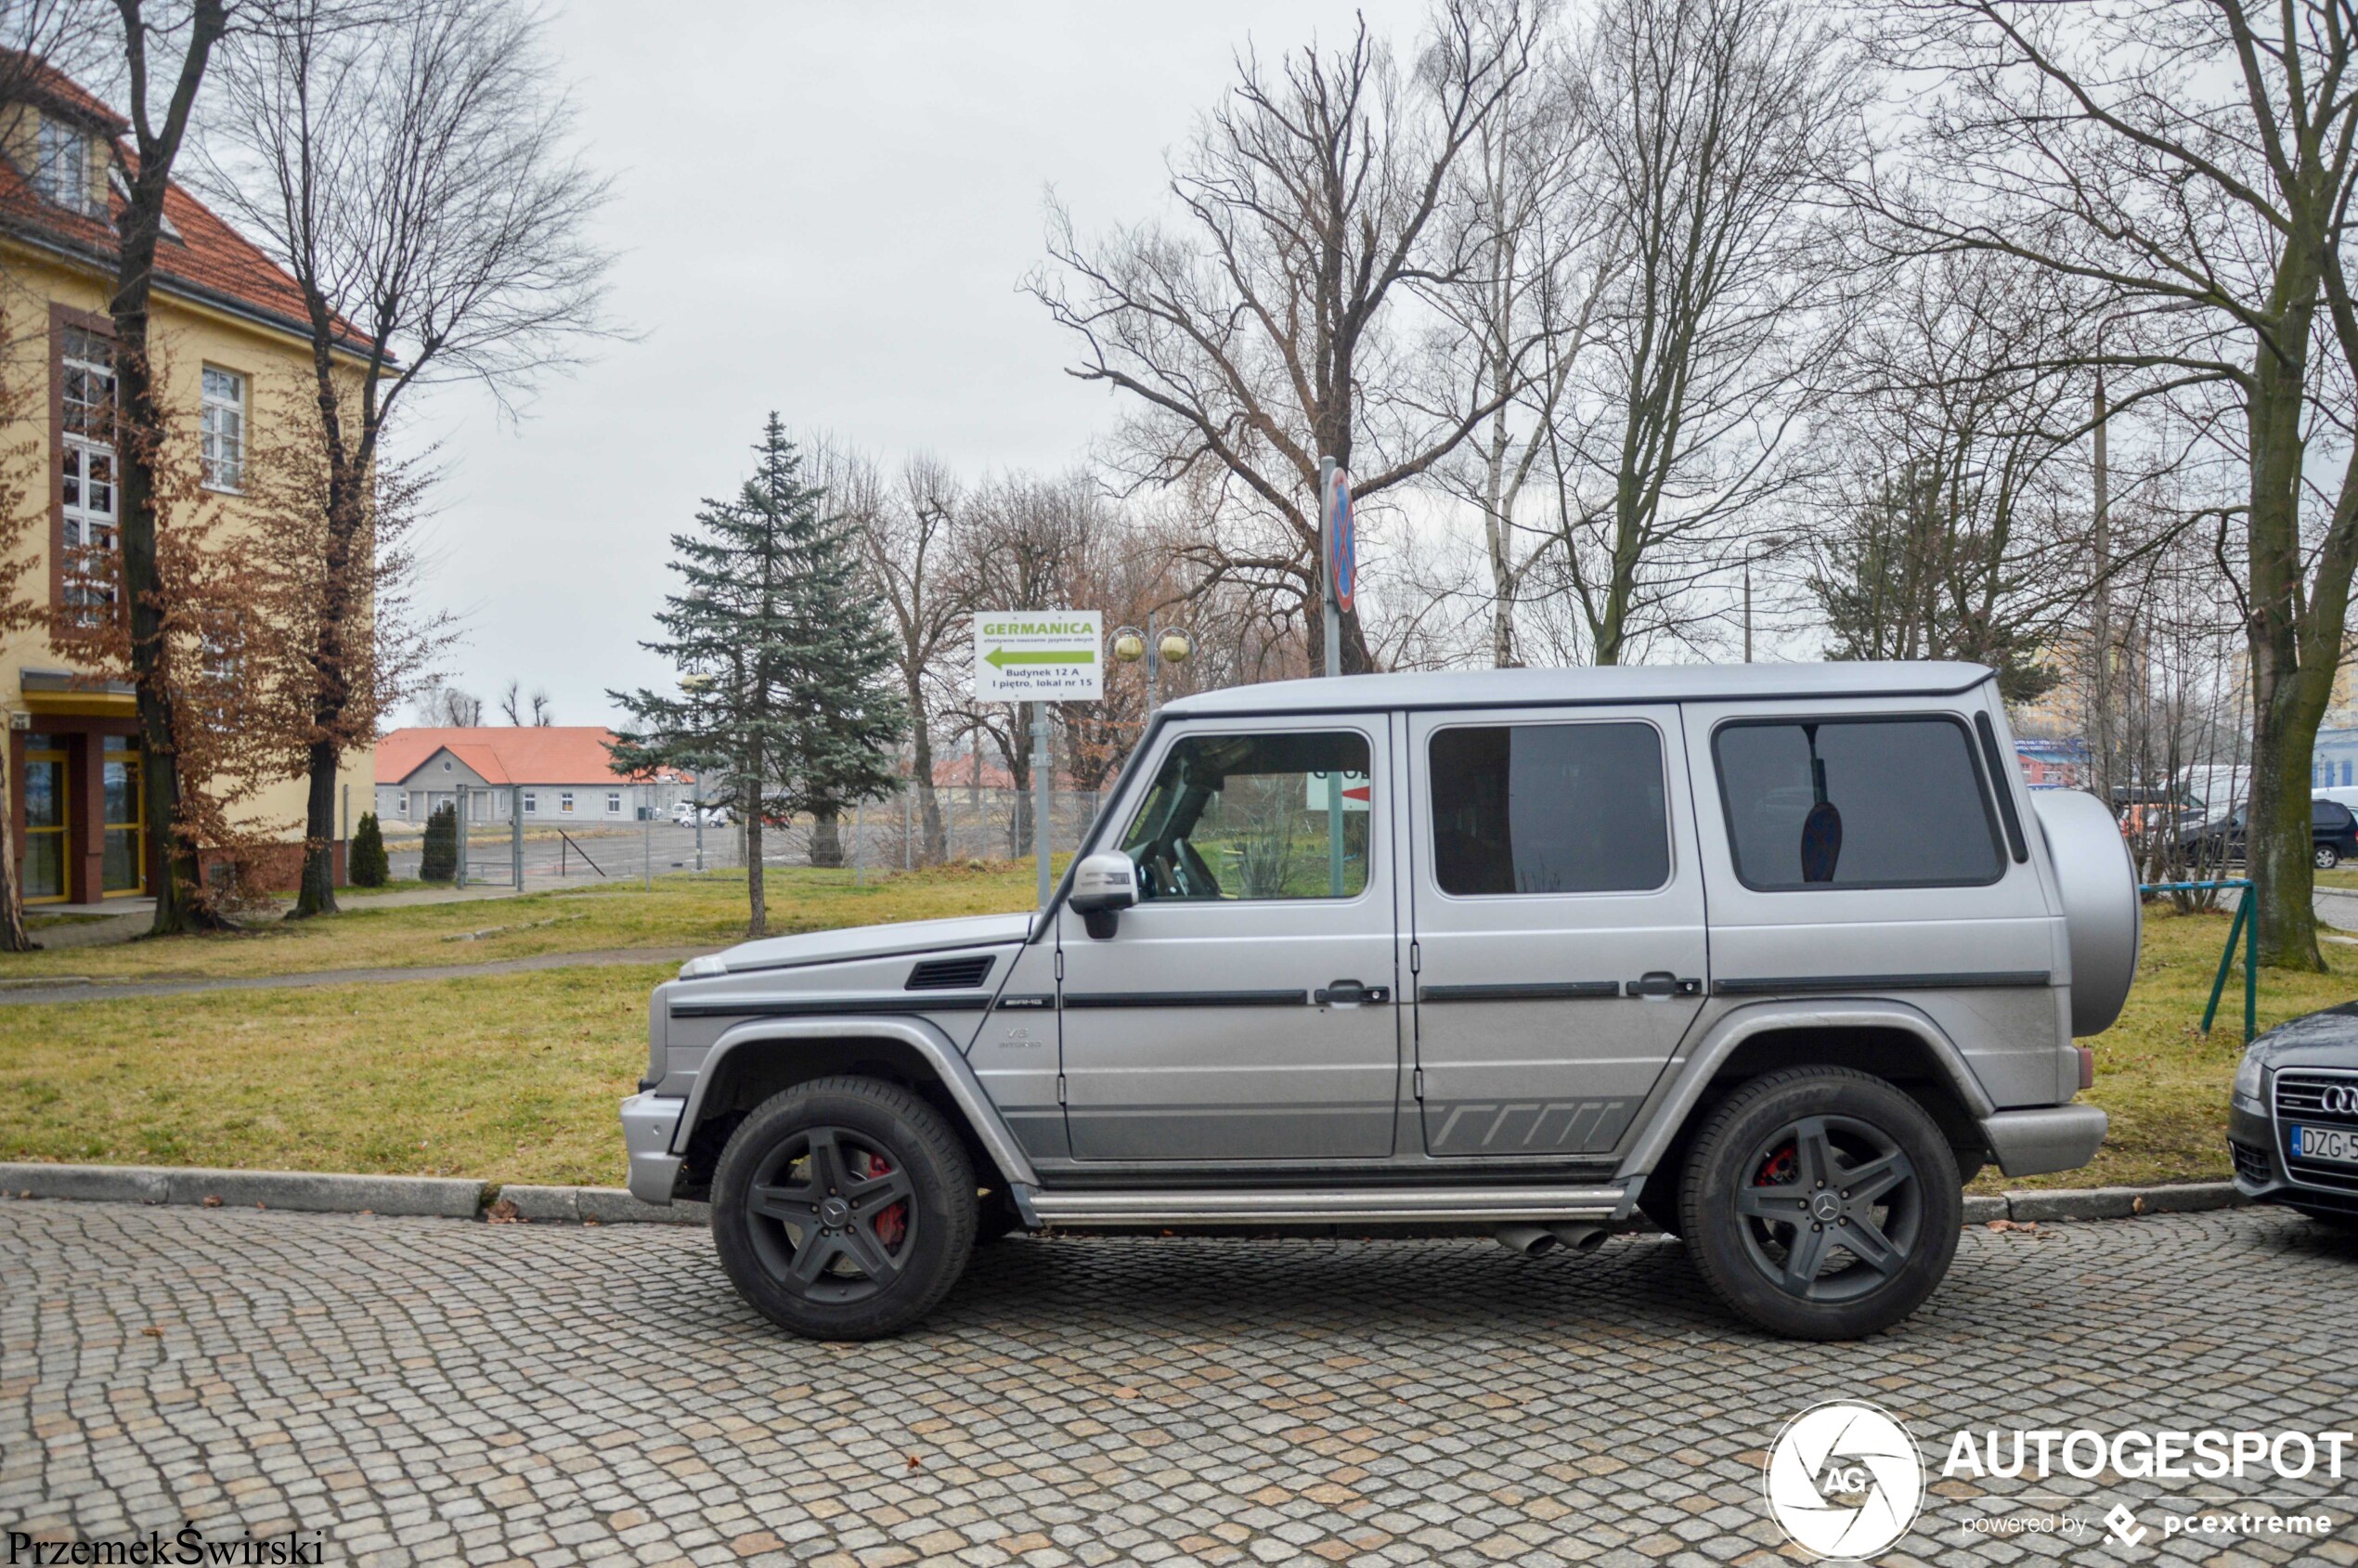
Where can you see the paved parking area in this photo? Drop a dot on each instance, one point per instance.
(429, 1391)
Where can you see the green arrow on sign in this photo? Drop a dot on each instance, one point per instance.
(1000, 658)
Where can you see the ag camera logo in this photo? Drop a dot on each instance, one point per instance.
(1845, 1480)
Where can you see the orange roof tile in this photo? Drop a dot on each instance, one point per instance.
(511, 754)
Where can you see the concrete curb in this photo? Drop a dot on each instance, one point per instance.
(455, 1197)
(447, 1197)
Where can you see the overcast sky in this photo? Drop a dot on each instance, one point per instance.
(824, 210)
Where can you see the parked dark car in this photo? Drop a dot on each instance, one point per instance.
(2333, 830)
(2292, 1118)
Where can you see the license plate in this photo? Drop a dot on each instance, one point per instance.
(2325, 1142)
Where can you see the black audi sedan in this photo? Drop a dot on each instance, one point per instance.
(2292, 1119)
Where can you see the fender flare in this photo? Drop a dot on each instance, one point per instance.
(1694, 1074)
(957, 1075)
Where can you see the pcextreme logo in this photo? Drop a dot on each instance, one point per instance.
(1845, 1480)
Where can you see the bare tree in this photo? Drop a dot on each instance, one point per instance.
(512, 701)
(1955, 525)
(1260, 334)
(165, 54)
(1716, 122)
(543, 716)
(1541, 238)
(2194, 163)
(416, 179)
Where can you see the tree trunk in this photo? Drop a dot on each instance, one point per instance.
(2288, 697)
(316, 892)
(826, 838)
(14, 937)
(756, 888)
(933, 844)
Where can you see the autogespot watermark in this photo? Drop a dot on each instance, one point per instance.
(1845, 1478)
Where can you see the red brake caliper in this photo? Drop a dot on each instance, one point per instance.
(1778, 1169)
(893, 1223)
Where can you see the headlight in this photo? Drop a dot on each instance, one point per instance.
(2250, 1078)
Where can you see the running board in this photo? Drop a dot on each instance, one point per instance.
(1496, 1205)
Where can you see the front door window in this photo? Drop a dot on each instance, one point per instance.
(1255, 817)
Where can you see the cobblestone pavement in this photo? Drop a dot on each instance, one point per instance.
(429, 1390)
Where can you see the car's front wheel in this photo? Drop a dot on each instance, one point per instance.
(1820, 1203)
(843, 1208)
(2325, 857)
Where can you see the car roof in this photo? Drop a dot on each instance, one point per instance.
(1613, 683)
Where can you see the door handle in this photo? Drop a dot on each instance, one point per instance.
(1348, 993)
(1660, 985)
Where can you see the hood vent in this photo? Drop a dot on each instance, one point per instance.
(951, 974)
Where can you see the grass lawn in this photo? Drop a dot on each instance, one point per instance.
(509, 1076)
(693, 910)
(515, 1077)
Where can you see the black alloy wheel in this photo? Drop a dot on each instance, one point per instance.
(1820, 1203)
(843, 1208)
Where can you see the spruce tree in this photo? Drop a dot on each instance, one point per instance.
(366, 864)
(786, 693)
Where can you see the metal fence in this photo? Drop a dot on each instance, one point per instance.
(877, 836)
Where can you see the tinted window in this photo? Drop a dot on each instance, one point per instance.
(1856, 803)
(2330, 815)
(1248, 817)
(1548, 809)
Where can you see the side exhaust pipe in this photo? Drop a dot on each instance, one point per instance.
(1532, 1241)
(1580, 1239)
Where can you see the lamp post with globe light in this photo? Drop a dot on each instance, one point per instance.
(1172, 645)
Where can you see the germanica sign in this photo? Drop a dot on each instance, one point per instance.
(1039, 655)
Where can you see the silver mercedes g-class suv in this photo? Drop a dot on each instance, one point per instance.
(1775, 955)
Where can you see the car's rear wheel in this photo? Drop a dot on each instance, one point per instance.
(843, 1208)
(2325, 857)
(1820, 1203)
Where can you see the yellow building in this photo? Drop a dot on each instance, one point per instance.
(224, 320)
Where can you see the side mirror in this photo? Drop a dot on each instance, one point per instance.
(1103, 886)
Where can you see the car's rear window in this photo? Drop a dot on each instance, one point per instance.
(1837, 803)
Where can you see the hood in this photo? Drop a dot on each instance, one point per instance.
(2322, 1039)
(866, 941)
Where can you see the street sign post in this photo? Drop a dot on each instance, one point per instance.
(1038, 657)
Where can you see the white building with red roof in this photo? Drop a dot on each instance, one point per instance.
(560, 774)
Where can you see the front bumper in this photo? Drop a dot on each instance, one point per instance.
(2031, 1142)
(650, 1122)
(2260, 1172)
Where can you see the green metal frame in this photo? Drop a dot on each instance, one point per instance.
(2246, 927)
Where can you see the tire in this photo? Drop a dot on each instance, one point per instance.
(890, 1241)
(1788, 1139)
(2324, 857)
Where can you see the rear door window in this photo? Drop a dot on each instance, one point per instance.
(1548, 809)
(1856, 803)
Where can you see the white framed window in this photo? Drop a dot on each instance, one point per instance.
(61, 165)
(86, 467)
(565, 800)
(614, 802)
(531, 803)
(224, 429)
(405, 803)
